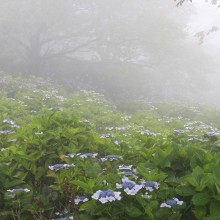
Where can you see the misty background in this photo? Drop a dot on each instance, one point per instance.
(125, 49)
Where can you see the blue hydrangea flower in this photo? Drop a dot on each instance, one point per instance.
(106, 196)
(60, 166)
(81, 199)
(150, 185)
(130, 187)
(171, 203)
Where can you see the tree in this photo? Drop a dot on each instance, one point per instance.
(115, 48)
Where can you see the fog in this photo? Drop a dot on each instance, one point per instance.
(151, 50)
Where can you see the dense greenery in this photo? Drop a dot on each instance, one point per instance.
(167, 145)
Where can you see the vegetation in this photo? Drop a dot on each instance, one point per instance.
(75, 156)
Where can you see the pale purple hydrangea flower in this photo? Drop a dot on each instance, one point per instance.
(171, 203)
(60, 166)
(81, 199)
(150, 185)
(130, 187)
(106, 196)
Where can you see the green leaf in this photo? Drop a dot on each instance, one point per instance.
(215, 208)
(133, 211)
(200, 212)
(81, 184)
(200, 199)
(185, 190)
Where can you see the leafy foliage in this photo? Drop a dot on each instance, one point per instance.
(67, 156)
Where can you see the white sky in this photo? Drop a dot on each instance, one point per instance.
(206, 16)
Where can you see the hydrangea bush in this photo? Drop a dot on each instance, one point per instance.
(57, 162)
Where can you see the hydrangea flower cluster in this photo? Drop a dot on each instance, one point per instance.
(150, 185)
(123, 128)
(56, 109)
(14, 191)
(86, 121)
(81, 199)
(109, 128)
(127, 171)
(148, 133)
(118, 142)
(211, 134)
(178, 131)
(11, 122)
(84, 156)
(111, 158)
(126, 117)
(124, 168)
(6, 132)
(18, 190)
(72, 155)
(60, 166)
(130, 187)
(107, 136)
(106, 196)
(171, 203)
(8, 121)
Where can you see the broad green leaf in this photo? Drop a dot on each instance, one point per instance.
(200, 199)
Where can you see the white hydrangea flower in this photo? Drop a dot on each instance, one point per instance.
(107, 136)
(130, 187)
(18, 190)
(106, 196)
(72, 155)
